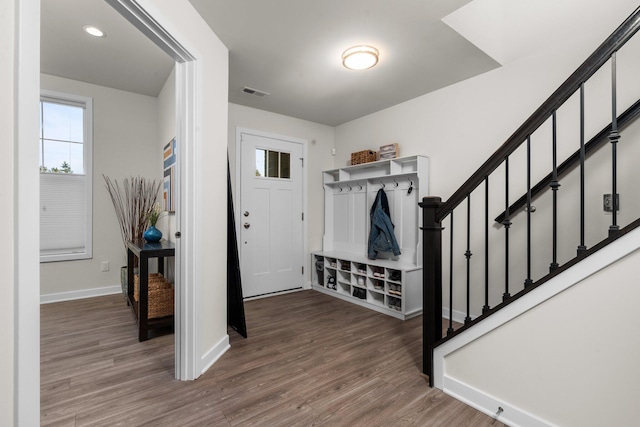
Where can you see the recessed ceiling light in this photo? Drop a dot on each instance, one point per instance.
(360, 57)
(94, 31)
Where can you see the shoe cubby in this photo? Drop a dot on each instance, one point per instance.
(382, 285)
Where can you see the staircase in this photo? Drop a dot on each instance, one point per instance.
(529, 223)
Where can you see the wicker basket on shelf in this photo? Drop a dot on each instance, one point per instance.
(160, 300)
(364, 156)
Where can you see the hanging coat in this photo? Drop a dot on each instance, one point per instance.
(381, 236)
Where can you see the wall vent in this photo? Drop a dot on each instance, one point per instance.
(255, 92)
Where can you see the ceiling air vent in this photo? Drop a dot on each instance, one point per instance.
(255, 92)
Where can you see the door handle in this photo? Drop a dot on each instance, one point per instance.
(247, 225)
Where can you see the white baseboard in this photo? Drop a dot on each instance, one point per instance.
(214, 354)
(489, 405)
(81, 294)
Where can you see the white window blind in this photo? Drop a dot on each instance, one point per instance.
(63, 210)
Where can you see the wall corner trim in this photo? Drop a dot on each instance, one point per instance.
(214, 353)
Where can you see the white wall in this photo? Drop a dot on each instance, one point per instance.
(167, 124)
(320, 141)
(126, 143)
(567, 367)
(460, 126)
(7, 296)
(204, 226)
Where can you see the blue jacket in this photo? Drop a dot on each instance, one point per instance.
(381, 236)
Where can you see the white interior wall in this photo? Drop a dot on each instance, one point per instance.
(460, 126)
(7, 188)
(126, 143)
(320, 141)
(206, 223)
(167, 125)
(567, 367)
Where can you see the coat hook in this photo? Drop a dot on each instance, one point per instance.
(395, 183)
(381, 184)
(340, 188)
(349, 187)
(360, 185)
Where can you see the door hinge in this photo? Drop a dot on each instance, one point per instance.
(302, 160)
(302, 268)
(303, 216)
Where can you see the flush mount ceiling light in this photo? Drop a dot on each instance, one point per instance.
(360, 57)
(94, 31)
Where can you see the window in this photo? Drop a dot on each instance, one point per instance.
(65, 177)
(273, 164)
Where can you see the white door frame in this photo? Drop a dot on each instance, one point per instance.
(26, 276)
(238, 186)
(186, 309)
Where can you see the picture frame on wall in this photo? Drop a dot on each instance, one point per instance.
(169, 178)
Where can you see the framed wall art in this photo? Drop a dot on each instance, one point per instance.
(169, 179)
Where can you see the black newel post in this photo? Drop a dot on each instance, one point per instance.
(431, 281)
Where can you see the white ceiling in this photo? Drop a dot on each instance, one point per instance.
(125, 59)
(288, 48)
(292, 49)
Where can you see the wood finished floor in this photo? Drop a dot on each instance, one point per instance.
(310, 360)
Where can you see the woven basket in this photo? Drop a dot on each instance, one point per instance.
(365, 156)
(160, 300)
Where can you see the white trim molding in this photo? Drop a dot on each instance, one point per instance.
(491, 406)
(188, 86)
(80, 294)
(214, 353)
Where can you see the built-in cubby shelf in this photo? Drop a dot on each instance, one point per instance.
(388, 284)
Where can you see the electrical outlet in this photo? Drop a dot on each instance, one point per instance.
(607, 202)
(104, 265)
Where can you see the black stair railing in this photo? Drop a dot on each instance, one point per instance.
(435, 211)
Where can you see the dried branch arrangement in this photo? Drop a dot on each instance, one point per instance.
(133, 203)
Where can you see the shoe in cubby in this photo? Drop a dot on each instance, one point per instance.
(359, 293)
(378, 272)
(395, 289)
(395, 275)
(331, 282)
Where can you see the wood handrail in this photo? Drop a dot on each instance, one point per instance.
(590, 147)
(588, 68)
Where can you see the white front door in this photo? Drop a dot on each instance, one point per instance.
(270, 215)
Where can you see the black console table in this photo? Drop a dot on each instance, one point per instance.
(143, 251)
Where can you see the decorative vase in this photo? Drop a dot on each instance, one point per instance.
(152, 234)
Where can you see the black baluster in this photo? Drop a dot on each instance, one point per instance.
(486, 245)
(528, 282)
(468, 254)
(614, 136)
(554, 187)
(507, 223)
(582, 248)
(450, 328)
